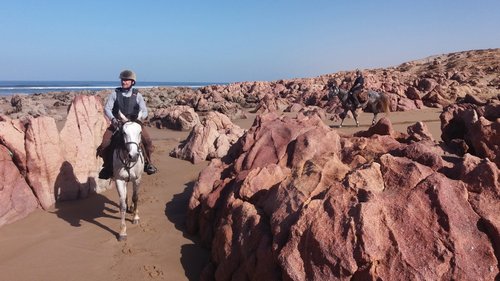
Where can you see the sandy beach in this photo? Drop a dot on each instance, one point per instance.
(76, 240)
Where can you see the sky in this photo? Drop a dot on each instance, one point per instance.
(232, 41)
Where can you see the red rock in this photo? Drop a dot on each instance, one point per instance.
(211, 139)
(16, 198)
(419, 132)
(179, 117)
(12, 136)
(44, 158)
(81, 135)
(346, 209)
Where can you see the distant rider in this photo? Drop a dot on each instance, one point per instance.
(131, 104)
(357, 88)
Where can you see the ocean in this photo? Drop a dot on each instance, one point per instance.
(34, 87)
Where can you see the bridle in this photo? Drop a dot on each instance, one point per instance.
(337, 92)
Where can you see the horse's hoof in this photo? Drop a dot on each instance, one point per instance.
(122, 237)
(340, 126)
(135, 221)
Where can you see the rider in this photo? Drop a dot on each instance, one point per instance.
(357, 88)
(131, 104)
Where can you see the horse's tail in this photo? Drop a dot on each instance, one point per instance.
(385, 103)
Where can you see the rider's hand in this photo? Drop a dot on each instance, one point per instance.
(115, 122)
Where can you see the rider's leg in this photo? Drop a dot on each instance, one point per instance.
(354, 95)
(149, 168)
(106, 141)
(106, 152)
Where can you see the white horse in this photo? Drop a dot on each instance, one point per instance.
(128, 165)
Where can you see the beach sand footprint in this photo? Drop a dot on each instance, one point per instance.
(153, 271)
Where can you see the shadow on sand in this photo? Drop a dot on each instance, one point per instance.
(194, 257)
(91, 208)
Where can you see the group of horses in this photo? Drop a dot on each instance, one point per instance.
(376, 102)
(128, 158)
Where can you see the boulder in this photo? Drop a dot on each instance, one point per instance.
(210, 139)
(16, 198)
(81, 135)
(12, 133)
(44, 158)
(177, 117)
(302, 202)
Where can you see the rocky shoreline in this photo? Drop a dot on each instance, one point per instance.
(292, 198)
(434, 82)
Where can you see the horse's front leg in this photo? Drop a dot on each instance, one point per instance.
(135, 199)
(121, 186)
(374, 118)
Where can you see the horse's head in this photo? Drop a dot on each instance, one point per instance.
(334, 91)
(132, 139)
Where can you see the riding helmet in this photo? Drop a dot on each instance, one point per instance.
(127, 74)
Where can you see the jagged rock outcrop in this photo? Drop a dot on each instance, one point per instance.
(52, 165)
(80, 137)
(210, 139)
(16, 197)
(12, 136)
(178, 117)
(298, 201)
(44, 158)
(473, 128)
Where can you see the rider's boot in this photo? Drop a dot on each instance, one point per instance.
(107, 166)
(357, 104)
(150, 168)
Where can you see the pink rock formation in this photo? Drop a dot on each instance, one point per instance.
(476, 128)
(301, 202)
(81, 135)
(419, 132)
(179, 117)
(16, 198)
(44, 158)
(12, 136)
(210, 139)
(56, 165)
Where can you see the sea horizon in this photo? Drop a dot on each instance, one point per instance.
(13, 87)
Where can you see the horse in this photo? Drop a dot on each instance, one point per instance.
(376, 101)
(128, 166)
(345, 102)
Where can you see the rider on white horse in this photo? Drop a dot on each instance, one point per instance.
(129, 102)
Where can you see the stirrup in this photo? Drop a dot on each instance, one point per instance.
(150, 169)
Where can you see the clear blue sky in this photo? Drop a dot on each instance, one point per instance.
(229, 41)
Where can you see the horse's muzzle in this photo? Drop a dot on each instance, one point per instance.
(132, 157)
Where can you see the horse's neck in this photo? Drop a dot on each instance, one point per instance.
(342, 95)
(373, 97)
